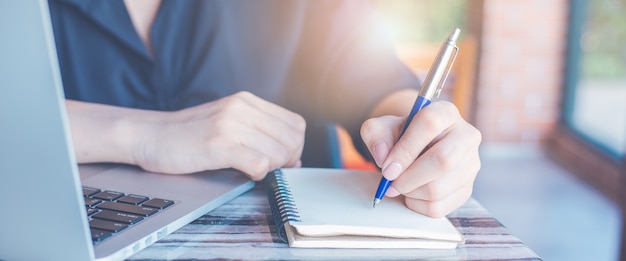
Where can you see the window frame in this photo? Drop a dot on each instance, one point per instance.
(588, 159)
(577, 16)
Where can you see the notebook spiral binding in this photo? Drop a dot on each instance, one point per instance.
(281, 202)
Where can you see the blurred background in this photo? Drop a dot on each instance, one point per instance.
(545, 82)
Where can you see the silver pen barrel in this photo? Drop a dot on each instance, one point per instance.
(436, 77)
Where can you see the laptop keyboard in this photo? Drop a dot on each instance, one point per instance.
(110, 212)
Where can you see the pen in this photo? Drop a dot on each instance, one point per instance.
(431, 88)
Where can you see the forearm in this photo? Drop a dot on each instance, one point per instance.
(104, 133)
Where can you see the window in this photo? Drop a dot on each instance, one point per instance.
(595, 95)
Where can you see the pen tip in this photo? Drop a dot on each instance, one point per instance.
(375, 202)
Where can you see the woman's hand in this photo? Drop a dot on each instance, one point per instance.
(434, 163)
(240, 131)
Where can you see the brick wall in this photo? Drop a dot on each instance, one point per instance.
(520, 68)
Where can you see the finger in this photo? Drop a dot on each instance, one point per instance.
(267, 146)
(378, 135)
(427, 124)
(456, 147)
(297, 164)
(292, 141)
(442, 207)
(295, 160)
(450, 182)
(255, 154)
(284, 126)
(249, 150)
(252, 163)
(251, 112)
(289, 118)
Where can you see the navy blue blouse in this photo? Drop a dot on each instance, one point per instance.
(321, 59)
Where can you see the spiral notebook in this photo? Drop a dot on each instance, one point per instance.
(332, 208)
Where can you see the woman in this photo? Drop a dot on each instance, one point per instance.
(184, 86)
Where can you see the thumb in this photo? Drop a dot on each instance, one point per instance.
(379, 134)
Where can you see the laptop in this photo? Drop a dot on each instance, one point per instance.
(45, 196)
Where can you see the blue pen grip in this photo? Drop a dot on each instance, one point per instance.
(382, 188)
(420, 103)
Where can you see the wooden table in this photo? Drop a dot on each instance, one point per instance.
(243, 229)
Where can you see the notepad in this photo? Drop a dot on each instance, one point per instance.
(332, 208)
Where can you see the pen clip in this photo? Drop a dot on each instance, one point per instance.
(448, 69)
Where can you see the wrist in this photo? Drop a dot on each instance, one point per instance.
(134, 132)
(104, 133)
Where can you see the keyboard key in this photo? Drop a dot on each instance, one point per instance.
(92, 202)
(98, 235)
(108, 195)
(158, 203)
(132, 199)
(111, 212)
(138, 210)
(118, 217)
(89, 191)
(91, 211)
(107, 225)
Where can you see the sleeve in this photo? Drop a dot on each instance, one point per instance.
(345, 65)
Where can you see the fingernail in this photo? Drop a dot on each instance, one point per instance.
(392, 192)
(392, 170)
(381, 150)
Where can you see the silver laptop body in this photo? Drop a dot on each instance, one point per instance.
(43, 216)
